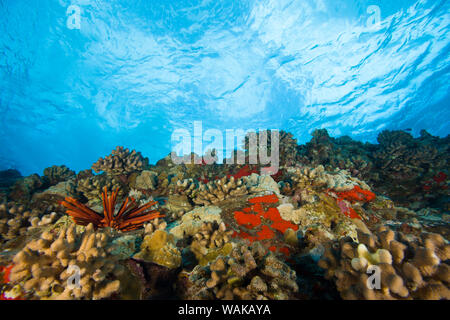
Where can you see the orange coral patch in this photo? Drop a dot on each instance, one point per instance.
(272, 214)
(285, 251)
(265, 233)
(357, 194)
(248, 220)
(352, 214)
(257, 207)
(6, 272)
(265, 199)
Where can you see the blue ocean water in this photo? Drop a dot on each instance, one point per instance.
(79, 77)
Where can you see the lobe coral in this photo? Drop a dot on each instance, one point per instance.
(129, 217)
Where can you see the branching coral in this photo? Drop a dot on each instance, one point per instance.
(211, 192)
(42, 267)
(91, 186)
(248, 273)
(121, 162)
(129, 217)
(155, 224)
(17, 219)
(219, 190)
(402, 157)
(343, 153)
(287, 145)
(56, 174)
(213, 239)
(409, 268)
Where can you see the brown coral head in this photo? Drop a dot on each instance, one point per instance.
(129, 217)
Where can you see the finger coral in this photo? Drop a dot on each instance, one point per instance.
(129, 217)
(121, 161)
(212, 240)
(248, 273)
(16, 219)
(211, 192)
(57, 174)
(408, 268)
(91, 186)
(43, 267)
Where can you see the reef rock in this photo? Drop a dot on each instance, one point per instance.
(191, 223)
(147, 180)
(262, 183)
(159, 248)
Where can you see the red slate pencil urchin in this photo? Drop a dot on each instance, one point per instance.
(129, 217)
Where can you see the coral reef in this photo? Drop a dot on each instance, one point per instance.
(286, 142)
(192, 222)
(335, 212)
(23, 188)
(400, 166)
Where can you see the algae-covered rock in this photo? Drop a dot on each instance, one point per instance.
(57, 192)
(178, 202)
(56, 174)
(159, 248)
(263, 183)
(324, 214)
(23, 188)
(147, 180)
(124, 247)
(192, 221)
(205, 255)
(290, 237)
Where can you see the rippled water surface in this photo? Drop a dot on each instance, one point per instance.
(136, 70)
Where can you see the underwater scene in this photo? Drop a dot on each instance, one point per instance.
(224, 150)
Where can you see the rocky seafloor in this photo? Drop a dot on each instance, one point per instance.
(316, 229)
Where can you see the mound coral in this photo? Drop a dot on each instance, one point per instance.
(23, 188)
(410, 268)
(159, 247)
(129, 217)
